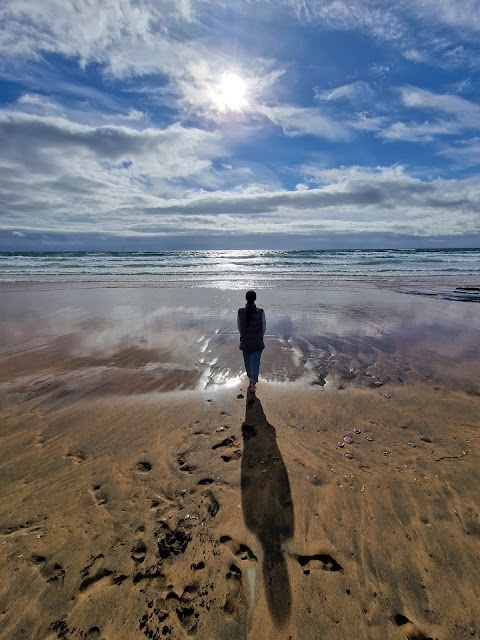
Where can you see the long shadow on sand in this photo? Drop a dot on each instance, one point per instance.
(267, 504)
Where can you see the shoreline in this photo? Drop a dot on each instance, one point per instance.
(327, 281)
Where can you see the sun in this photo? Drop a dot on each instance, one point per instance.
(230, 93)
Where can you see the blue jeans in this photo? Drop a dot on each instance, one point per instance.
(252, 364)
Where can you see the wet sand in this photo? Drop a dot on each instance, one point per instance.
(141, 497)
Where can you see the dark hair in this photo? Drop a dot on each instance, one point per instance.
(250, 297)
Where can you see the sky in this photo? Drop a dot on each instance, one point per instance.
(223, 124)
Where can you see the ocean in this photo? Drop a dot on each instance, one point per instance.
(233, 269)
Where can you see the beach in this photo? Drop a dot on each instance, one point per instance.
(145, 494)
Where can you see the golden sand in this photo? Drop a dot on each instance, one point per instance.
(164, 515)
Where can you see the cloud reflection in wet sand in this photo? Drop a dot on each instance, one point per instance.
(186, 338)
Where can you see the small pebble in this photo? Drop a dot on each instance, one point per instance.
(355, 430)
(385, 453)
(340, 444)
(240, 396)
(347, 439)
(386, 395)
(369, 439)
(425, 438)
(349, 455)
(220, 429)
(412, 444)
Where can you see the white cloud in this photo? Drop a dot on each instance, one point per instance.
(379, 19)
(415, 55)
(364, 121)
(59, 176)
(137, 38)
(40, 105)
(418, 131)
(354, 92)
(465, 153)
(298, 121)
(465, 112)
(457, 14)
(462, 116)
(447, 29)
(171, 152)
(131, 39)
(87, 30)
(461, 85)
(53, 169)
(386, 18)
(380, 70)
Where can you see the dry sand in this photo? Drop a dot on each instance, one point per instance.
(132, 510)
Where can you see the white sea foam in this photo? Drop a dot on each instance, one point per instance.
(230, 269)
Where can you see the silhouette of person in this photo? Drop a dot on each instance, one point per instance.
(252, 326)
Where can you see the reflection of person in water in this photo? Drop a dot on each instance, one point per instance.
(252, 325)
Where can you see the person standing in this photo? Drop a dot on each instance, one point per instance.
(251, 325)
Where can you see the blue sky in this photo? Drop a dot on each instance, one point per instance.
(213, 124)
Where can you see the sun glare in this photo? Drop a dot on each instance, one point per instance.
(230, 94)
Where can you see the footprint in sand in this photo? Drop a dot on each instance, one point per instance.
(183, 606)
(234, 597)
(238, 549)
(409, 628)
(143, 466)
(213, 506)
(99, 495)
(40, 440)
(139, 551)
(182, 463)
(95, 579)
(77, 457)
(206, 507)
(51, 571)
(231, 442)
(185, 610)
(206, 481)
(148, 623)
(93, 559)
(172, 542)
(228, 442)
(320, 561)
(236, 455)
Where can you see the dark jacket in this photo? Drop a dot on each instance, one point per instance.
(251, 337)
